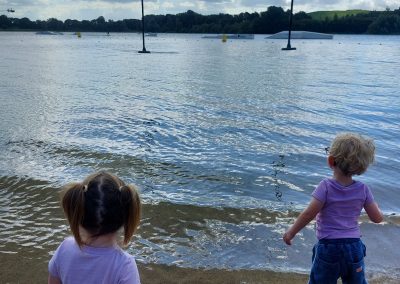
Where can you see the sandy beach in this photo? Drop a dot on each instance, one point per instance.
(34, 271)
(167, 274)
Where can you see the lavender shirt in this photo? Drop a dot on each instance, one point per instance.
(338, 217)
(92, 264)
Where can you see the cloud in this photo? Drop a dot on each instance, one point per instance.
(122, 1)
(122, 9)
(250, 3)
(217, 1)
(187, 4)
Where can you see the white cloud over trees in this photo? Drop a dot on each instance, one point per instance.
(126, 9)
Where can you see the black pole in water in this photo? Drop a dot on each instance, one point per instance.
(144, 48)
(289, 47)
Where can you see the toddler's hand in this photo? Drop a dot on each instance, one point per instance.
(287, 238)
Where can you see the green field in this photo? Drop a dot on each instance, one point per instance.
(322, 15)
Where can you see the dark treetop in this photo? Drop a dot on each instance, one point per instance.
(275, 19)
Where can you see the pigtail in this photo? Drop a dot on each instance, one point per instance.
(73, 203)
(132, 209)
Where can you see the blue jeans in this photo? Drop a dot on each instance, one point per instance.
(338, 258)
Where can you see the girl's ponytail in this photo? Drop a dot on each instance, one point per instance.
(132, 206)
(73, 203)
(101, 205)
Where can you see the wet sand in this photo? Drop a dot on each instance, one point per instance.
(152, 273)
(167, 274)
(170, 274)
(17, 269)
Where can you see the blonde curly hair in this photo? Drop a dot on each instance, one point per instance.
(352, 153)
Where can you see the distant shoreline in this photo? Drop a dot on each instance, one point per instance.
(182, 33)
(271, 21)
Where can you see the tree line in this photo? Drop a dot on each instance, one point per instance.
(273, 20)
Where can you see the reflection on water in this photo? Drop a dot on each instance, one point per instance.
(201, 130)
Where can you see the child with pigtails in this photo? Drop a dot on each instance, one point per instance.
(96, 210)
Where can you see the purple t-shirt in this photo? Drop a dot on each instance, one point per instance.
(338, 217)
(92, 264)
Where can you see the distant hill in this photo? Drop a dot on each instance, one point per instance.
(322, 15)
(273, 20)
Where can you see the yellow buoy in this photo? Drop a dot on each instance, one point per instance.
(224, 38)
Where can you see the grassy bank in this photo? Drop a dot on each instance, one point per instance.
(322, 15)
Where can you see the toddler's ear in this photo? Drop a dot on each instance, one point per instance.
(331, 161)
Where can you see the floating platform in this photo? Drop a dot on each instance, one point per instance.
(300, 35)
(230, 36)
(48, 33)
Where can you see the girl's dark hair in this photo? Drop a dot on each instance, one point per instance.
(102, 204)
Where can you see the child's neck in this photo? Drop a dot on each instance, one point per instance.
(341, 178)
(102, 241)
(108, 240)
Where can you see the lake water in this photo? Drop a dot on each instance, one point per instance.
(225, 141)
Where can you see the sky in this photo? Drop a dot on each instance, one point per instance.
(128, 9)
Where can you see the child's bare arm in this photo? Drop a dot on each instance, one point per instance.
(304, 218)
(374, 213)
